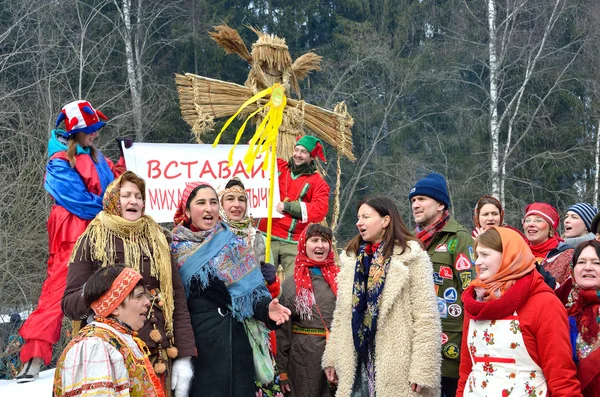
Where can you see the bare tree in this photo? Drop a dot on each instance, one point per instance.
(137, 24)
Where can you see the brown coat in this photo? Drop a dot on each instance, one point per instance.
(83, 267)
(300, 355)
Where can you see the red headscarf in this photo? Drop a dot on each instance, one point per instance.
(517, 261)
(550, 215)
(305, 297)
(180, 215)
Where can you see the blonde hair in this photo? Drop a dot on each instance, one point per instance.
(72, 150)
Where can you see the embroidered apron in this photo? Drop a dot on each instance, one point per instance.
(502, 365)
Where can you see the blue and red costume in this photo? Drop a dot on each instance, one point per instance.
(77, 193)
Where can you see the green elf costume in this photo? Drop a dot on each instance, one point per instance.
(450, 247)
(305, 197)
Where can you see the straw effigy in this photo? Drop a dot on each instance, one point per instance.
(202, 100)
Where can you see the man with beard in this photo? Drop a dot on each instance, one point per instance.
(449, 246)
(304, 200)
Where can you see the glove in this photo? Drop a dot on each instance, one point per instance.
(268, 271)
(127, 141)
(181, 376)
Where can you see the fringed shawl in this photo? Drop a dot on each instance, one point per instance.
(143, 237)
(218, 253)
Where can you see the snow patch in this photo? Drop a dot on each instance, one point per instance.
(41, 387)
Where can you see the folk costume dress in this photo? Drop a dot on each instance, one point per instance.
(228, 304)
(582, 306)
(106, 358)
(383, 354)
(311, 296)
(77, 194)
(516, 332)
(142, 245)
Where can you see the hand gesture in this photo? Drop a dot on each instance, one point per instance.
(278, 313)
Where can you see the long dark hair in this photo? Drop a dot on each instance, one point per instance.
(395, 234)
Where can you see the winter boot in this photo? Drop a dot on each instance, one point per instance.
(30, 370)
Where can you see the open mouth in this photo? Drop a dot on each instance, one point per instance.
(132, 210)
(208, 218)
(590, 276)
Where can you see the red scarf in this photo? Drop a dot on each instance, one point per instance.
(541, 250)
(426, 235)
(305, 297)
(500, 308)
(585, 311)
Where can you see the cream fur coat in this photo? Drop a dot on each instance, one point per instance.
(408, 339)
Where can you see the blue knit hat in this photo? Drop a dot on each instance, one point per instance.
(434, 186)
(586, 212)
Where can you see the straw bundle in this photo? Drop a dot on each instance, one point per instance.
(231, 41)
(271, 50)
(203, 99)
(302, 66)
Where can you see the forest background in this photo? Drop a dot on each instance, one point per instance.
(502, 97)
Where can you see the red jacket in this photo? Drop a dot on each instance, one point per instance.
(545, 330)
(310, 191)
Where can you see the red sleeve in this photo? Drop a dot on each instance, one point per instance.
(275, 288)
(466, 364)
(117, 169)
(281, 163)
(318, 206)
(546, 334)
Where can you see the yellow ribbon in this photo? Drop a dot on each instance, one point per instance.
(263, 140)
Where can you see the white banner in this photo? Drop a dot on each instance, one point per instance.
(167, 167)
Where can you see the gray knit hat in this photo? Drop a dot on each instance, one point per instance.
(586, 212)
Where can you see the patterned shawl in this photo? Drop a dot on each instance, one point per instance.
(305, 296)
(218, 253)
(369, 280)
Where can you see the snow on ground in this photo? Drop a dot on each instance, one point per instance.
(41, 387)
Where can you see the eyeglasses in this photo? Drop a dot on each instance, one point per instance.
(537, 221)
